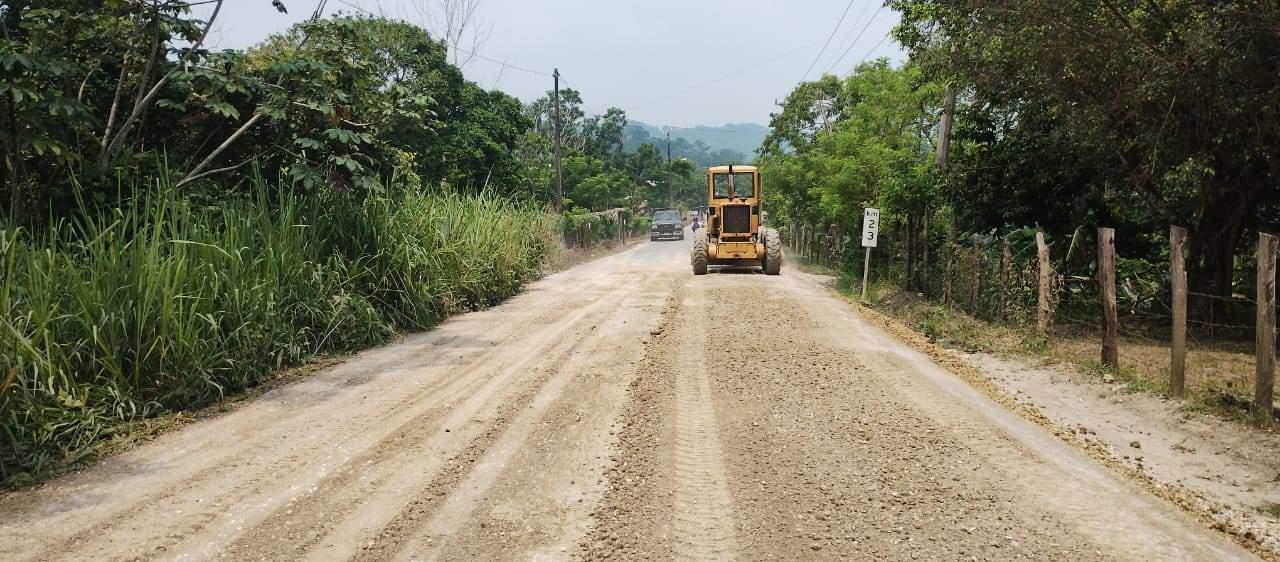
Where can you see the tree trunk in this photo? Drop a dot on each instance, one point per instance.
(1212, 256)
(922, 282)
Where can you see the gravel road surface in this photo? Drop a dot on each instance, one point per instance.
(621, 409)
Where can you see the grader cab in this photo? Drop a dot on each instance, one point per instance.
(734, 235)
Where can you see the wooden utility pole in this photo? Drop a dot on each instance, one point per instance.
(1178, 349)
(671, 190)
(1264, 378)
(559, 178)
(1043, 310)
(1107, 281)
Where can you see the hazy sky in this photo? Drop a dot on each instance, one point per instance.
(666, 62)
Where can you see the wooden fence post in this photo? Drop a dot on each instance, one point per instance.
(829, 243)
(1042, 310)
(1006, 270)
(909, 244)
(1178, 347)
(839, 251)
(924, 253)
(1107, 283)
(978, 263)
(820, 239)
(804, 240)
(951, 261)
(808, 241)
(1264, 378)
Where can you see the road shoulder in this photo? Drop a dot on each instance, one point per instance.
(1231, 484)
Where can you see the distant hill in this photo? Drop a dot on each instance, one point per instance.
(743, 138)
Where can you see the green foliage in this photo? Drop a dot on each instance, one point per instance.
(1134, 113)
(840, 145)
(121, 314)
(111, 93)
(601, 170)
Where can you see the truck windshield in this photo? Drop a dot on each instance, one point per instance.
(666, 216)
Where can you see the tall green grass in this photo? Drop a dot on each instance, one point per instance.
(114, 316)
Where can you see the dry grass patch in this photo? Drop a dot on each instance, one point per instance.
(1219, 374)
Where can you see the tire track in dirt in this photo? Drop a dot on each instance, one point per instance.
(340, 514)
(632, 521)
(667, 495)
(463, 510)
(216, 487)
(703, 510)
(408, 524)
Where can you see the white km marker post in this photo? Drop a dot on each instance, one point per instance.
(870, 234)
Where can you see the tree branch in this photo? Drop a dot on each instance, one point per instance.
(195, 172)
(118, 143)
(115, 109)
(190, 179)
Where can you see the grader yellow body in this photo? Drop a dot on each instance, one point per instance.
(734, 235)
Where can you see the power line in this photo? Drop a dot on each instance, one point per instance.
(504, 64)
(845, 44)
(855, 41)
(753, 66)
(850, 44)
(864, 57)
(828, 43)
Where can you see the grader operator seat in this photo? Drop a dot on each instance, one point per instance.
(734, 235)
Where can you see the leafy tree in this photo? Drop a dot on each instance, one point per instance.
(840, 145)
(79, 77)
(603, 134)
(1182, 97)
(94, 91)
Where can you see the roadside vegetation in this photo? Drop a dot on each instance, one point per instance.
(1136, 116)
(180, 222)
(131, 311)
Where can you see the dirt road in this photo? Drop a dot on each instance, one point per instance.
(624, 409)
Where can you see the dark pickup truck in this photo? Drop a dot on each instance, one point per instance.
(666, 224)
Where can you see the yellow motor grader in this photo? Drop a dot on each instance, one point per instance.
(734, 235)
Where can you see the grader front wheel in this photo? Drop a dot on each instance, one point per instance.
(698, 257)
(772, 252)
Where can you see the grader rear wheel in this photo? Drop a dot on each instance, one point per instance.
(698, 257)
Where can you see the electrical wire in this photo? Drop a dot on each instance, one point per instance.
(855, 41)
(856, 22)
(756, 65)
(864, 57)
(828, 43)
